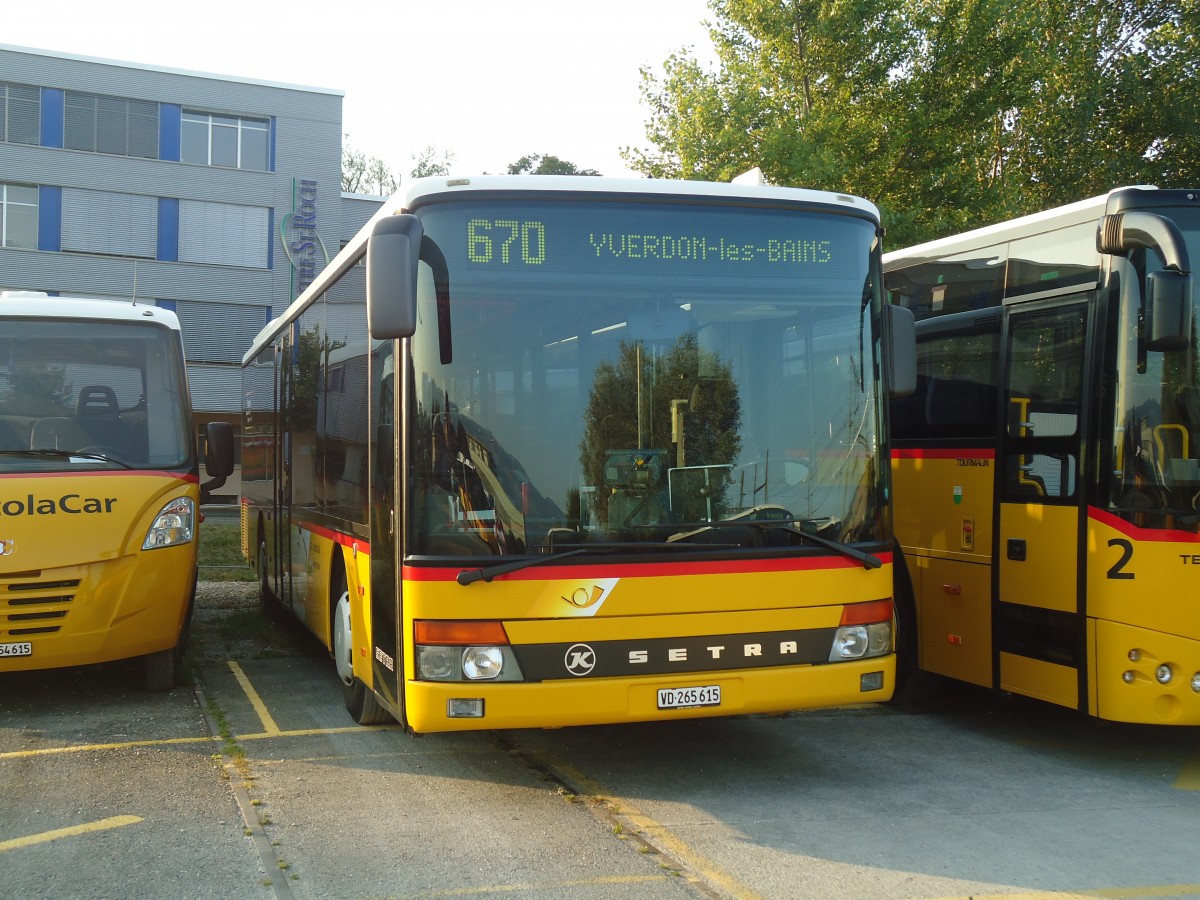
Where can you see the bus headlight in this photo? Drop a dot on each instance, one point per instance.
(453, 650)
(861, 641)
(175, 524)
(1163, 674)
(865, 631)
(482, 663)
(1196, 682)
(437, 664)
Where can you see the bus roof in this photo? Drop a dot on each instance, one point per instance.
(419, 191)
(36, 304)
(1012, 229)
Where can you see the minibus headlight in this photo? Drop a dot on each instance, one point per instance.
(1196, 682)
(482, 663)
(1163, 674)
(175, 524)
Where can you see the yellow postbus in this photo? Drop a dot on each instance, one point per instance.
(537, 452)
(1047, 468)
(98, 485)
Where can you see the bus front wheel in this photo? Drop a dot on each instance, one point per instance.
(360, 701)
(158, 670)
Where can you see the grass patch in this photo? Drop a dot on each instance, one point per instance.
(221, 553)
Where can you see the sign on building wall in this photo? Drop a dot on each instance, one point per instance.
(298, 229)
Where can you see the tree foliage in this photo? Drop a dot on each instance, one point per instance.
(546, 164)
(430, 162)
(362, 174)
(948, 113)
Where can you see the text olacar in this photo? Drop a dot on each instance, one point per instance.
(69, 504)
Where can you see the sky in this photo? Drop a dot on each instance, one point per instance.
(487, 82)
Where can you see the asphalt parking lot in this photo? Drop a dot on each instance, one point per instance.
(252, 781)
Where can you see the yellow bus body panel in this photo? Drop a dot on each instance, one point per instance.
(611, 700)
(1047, 578)
(1144, 604)
(77, 584)
(944, 524)
(539, 610)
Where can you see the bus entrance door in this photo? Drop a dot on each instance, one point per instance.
(1039, 648)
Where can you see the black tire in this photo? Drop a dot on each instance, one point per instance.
(360, 701)
(158, 670)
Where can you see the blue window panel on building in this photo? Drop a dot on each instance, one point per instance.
(168, 229)
(52, 117)
(50, 218)
(170, 119)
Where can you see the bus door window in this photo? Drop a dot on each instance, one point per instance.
(1045, 382)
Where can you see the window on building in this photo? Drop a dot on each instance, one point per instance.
(104, 124)
(109, 223)
(19, 215)
(223, 234)
(236, 142)
(20, 113)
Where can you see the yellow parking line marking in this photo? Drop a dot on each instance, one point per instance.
(548, 885)
(100, 825)
(123, 745)
(1121, 893)
(1189, 776)
(1162, 890)
(269, 726)
(660, 836)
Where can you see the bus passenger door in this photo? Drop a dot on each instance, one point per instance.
(1038, 615)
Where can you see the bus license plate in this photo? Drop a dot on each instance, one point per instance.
(682, 698)
(20, 648)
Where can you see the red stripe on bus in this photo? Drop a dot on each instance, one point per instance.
(338, 537)
(1165, 535)
(937, 453)
(647, 570)
(106, 473)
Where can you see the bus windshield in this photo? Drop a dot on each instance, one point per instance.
(1156, 444)
(655, 374)
(91, 395)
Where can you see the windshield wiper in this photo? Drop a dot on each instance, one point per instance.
(487, 573)
(68, 454)
(869, 560)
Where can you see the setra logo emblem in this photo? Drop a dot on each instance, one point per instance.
(7, 547)
(580, 659)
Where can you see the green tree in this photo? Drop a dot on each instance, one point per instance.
(427, 163)
(948, 113)
(362, 174)
(546, 164)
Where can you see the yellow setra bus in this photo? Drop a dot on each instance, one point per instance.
(537, 452)
(99, 485)
(1047, 468)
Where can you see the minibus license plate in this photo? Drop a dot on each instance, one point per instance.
(20, 648)
(682, 698)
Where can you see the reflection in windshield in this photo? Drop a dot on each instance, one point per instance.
(585, 411)
(1156, 455)
(89, 394)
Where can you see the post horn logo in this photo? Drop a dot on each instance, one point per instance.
(7, 547)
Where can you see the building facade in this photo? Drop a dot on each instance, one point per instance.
(213, 196)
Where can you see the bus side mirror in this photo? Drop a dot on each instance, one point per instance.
(218, 457)
(901, 350)
(393, 250)
(1167, 310)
